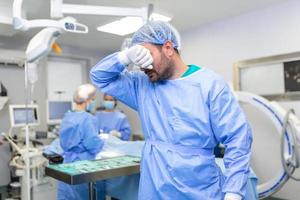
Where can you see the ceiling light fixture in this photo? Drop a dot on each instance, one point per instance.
(127, 25)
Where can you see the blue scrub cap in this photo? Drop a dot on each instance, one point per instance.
(157, 32)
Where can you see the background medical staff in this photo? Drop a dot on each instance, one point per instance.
(185, 112)
(79, 140)
(111, 120)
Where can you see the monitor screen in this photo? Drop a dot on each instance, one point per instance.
(57, 109)
(18, 115)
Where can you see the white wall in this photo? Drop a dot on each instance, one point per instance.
(270, 31)
(274, 30)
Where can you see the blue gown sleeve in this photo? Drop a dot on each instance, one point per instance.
(90, 140)
(108, 76)
(125, 129)
(231, 128)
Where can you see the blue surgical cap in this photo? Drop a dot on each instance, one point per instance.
(157, 32)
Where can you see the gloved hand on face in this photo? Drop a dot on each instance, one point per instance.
(137, 55)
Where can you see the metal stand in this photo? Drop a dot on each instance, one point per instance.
(27, 161)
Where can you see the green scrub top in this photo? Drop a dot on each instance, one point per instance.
(190, 70)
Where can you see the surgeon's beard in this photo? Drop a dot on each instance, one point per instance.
(167, 66)
(168, 70)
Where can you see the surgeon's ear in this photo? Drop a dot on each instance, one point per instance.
(168, 49)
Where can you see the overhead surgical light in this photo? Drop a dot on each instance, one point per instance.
(41, 44)
(68, 24)
(44, 41)
(127, 25)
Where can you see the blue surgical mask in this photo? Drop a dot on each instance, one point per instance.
(91, 106)
(109, 105)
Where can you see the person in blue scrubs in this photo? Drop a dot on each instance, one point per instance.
(79, 140)
(185, 111)
(111, 120)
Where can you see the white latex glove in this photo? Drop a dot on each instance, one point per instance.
(232, 196)
(138, 55)
(115, 133)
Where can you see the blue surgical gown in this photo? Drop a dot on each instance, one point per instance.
(108, 121)
(183, 120)
(79, 141)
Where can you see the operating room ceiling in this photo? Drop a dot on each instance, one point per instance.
(185, 14)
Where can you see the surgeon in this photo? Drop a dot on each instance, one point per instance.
(111, 120)
(185, 111)
(79, 139)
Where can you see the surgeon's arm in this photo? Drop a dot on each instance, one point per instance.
(91, 141)
(232, 129)
(107, 77)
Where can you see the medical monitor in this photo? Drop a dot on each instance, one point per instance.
(18, 114)
(56, 110)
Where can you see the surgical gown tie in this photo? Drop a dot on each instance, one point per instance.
(186, 149)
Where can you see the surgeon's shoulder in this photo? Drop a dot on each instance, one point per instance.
(209, 77)
(85, 116)
(213, 82)
(69, 117)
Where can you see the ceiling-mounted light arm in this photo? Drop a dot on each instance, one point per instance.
(18, 21)
(58, 9)
(68, 24)
(17, 9)
(149, 11)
